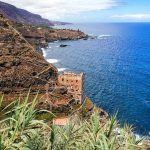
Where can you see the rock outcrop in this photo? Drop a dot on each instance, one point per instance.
(21, 67)
(40, 36)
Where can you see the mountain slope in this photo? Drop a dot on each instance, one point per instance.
(20, 65)
(23, 16)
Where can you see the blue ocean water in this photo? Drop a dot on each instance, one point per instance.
(117, 67)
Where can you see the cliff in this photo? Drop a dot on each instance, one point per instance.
(21, 66)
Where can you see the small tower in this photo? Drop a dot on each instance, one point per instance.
(75, 85)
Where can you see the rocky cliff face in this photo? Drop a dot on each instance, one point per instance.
(21, 67)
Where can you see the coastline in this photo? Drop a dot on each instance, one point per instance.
(43, 74)
(138, 136)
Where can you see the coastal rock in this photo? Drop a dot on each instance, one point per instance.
(39, 37)
(63, 45)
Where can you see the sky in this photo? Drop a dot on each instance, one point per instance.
(88, 10)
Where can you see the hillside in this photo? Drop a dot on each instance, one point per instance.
(21, 66)
(24, 16)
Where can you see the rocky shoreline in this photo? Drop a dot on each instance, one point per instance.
(39, 37)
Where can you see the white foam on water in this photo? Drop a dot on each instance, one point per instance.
(44, 52)
(138, 137)
(53, 61)
(103, 36)
(61, 69)
(90, 34)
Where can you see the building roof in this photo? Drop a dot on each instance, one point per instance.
(61, 121)
(72, 73)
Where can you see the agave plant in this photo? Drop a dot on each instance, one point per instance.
(22, 131)
(93, 135)
(20, 125)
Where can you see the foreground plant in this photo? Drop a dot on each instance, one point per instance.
(20, 125)
(22, 131)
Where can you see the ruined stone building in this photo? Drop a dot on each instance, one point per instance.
(75, 85)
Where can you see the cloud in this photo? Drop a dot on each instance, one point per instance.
(133, 16)
(58, 9)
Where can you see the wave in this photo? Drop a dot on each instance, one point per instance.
(44, 52)
(103, 36)
(53, 61)
(61, 69)
(91, 34)
(137, 136)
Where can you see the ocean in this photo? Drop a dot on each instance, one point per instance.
(117, 68)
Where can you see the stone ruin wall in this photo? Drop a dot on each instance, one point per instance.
(74, 83)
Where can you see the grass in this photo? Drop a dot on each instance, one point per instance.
(20, 130)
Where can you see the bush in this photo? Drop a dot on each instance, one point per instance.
(20, 130)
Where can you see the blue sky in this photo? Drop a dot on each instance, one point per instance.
(88, 10)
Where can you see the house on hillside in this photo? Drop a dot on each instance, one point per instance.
(75, 85)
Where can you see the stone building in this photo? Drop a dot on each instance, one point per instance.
(75, 85)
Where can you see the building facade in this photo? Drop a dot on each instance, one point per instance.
(75, 85)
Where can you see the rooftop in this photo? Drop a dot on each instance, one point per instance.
(72, 73)
(61, 121)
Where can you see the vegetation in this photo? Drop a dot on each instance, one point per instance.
(20, 130)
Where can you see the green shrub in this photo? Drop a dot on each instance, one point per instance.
(20, 130)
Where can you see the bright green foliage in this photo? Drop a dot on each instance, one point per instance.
(22, 131)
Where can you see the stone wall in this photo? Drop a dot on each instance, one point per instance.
(75, 85)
